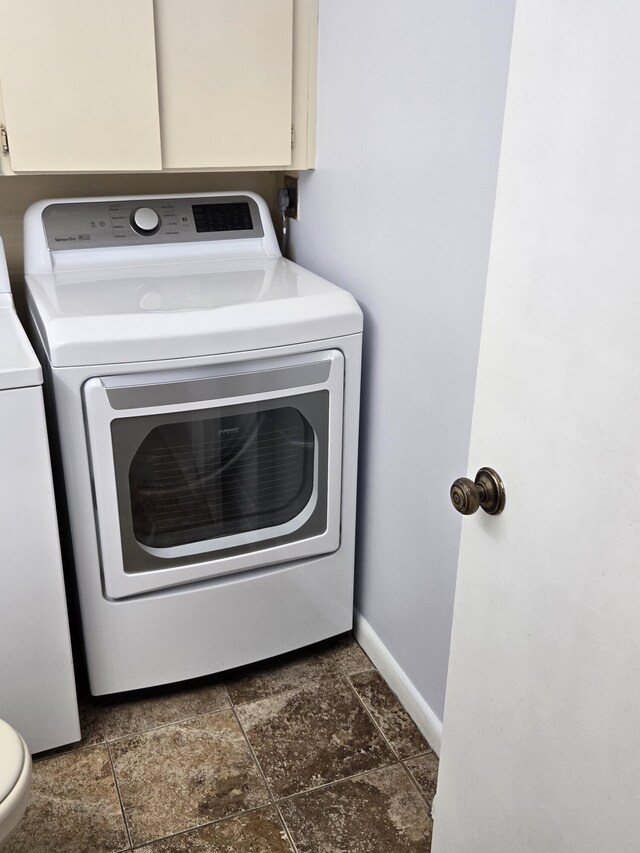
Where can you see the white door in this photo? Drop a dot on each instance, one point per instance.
(541, 745)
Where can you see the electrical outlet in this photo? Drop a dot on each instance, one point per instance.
(291, 184)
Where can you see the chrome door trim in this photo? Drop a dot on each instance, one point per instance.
(214, 389)
(99, 414)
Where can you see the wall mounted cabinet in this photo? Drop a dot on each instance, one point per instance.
(156, 85)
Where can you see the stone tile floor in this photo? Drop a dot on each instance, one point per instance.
(307, 753)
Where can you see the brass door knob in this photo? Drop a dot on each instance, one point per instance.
(487, 492)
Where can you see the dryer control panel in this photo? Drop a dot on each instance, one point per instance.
(137, 222)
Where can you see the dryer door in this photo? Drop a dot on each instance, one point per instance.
(217, 470)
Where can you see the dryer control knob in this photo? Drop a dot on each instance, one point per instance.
(145, 221)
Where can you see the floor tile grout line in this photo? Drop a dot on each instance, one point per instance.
(166, 725)
(341, 676)
(304, 682)
(72, 749)
(394, 763)
(395, 751)
(117, 785)
(229, 817)
(254, 756)
(415, 755)
(301, 684)
(373, 719)
(339, 671)
(418, 787)
(107, 740)
(360, 671)
(263, 776)
(287, 831)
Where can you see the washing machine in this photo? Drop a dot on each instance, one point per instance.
(204, 394)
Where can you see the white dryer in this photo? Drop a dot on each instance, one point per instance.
(206, 395)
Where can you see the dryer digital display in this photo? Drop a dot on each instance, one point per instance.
(222, 217)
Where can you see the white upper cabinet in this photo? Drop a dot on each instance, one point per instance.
(78, 80)
(144, 85)
(225, 82)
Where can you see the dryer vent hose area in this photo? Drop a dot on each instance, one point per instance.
(284, 203)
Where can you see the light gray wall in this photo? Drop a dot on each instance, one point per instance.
(398, 211)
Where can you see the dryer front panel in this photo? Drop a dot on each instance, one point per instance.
(213, 471)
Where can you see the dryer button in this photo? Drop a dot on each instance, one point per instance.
(145, 221)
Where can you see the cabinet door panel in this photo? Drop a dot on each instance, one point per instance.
(305, 61)
(224, 73)
(79, 85)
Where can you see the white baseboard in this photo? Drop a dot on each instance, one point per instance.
(421, 713)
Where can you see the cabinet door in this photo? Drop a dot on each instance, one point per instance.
(305, 60)
(225, 82)
(79, 85)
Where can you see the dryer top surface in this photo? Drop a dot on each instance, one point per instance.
(181, 310)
